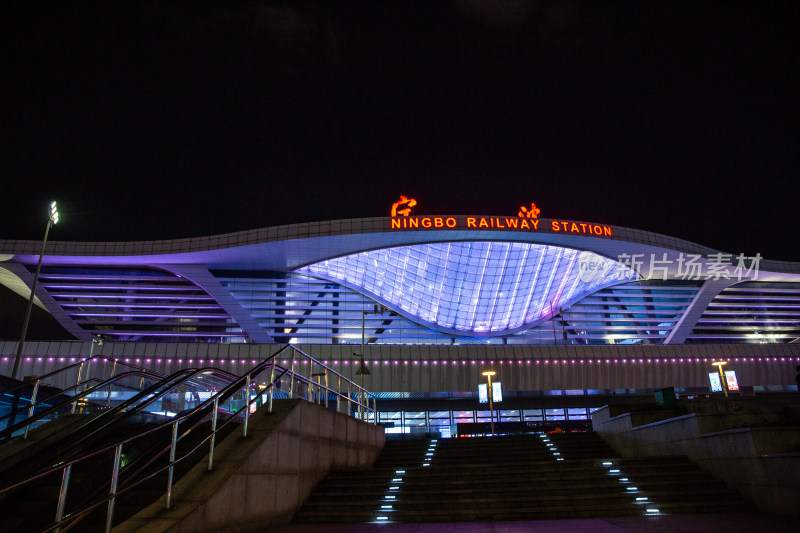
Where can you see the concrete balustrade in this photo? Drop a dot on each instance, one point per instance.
(262, 480)
(761, 460)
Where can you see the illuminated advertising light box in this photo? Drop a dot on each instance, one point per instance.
(716, 384)
(730, 379)
(483, 396)
(497, 392)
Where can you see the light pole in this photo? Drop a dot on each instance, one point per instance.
(553, 321)
(489, 374)
(362, 369)
(99, 341)
(719, 365)
(51, 219)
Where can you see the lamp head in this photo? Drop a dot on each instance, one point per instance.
(54, 213)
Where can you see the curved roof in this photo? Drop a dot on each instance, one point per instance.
(292, 246)
(481, 276)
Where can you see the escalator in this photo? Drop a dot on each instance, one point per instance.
(21, 400)
(32, 506)
(56, 421)
(15, 399)
(130, 448)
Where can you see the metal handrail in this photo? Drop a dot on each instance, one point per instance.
(73, 400)
(32, 404)
(245, 383)
(112, 412)
(148, 396)
(27, 422)
(119, 409)
(68, 367)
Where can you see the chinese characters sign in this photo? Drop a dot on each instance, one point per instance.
(527, 219)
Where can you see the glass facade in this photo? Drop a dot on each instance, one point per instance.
(450, 293)
(754, 312)
(474, 287)
(301, 309)
(440, 421)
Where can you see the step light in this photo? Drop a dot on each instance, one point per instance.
(387, 507)
(632, 488)
(387, 497)
(394, 487)
(397, 480)
(641, 499)
(400, 472)
(614, 471)
(381, 518)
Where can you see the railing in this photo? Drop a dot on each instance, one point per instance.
(190, 379)
(69, 405)
(72, 390)
(243, 397)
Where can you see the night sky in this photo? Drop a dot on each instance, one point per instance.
(161, 120)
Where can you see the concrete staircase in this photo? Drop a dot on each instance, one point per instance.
(526, 477)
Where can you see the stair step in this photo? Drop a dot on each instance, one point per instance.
(513, 478)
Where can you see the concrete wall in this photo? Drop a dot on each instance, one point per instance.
(263, 480)
(763, 463)
(455, 368)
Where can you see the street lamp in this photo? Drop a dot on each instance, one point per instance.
(719, 365)
(362, 369)
(553, 321)
(51, 219)
(489, 374)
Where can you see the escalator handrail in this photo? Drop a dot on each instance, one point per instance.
(111, 416)
(234, 388)
(222, 395)
(62, 391)
(85, 384)
(69, 521)
(40, 401)
(68, 367)
(122, 406)
(61, 465)
(6, 433)
(134, 405)
(237, 386)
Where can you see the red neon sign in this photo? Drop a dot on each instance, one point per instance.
(532, 212)
(501, 223)
(405, 205)
(527, 219)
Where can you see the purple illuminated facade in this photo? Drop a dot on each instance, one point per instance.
(314, 283)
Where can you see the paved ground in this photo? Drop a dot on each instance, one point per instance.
(730, 523)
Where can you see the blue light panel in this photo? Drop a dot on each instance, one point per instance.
(474, 287)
